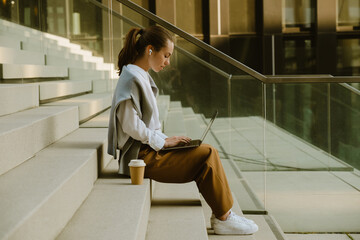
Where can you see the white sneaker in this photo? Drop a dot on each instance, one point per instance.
(212, 220)
(234, 224)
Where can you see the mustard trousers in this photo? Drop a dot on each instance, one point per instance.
(201, 164)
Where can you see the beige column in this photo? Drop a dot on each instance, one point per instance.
(166, 10)
(219, 24)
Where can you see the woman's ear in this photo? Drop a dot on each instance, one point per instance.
(149, 50)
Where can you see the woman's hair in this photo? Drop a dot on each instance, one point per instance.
(134, 46)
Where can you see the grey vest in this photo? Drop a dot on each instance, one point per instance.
(128, 87)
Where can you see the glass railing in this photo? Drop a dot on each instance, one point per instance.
(265, 124)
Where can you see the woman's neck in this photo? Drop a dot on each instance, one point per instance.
(142, 63)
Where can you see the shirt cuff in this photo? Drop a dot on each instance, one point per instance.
(157, 142)
(163, 136)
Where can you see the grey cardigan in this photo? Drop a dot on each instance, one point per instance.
(128, 87)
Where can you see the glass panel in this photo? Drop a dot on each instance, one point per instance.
(189, 16)
(299, 56)
(345, 125)
(299, 15)
(348, 15)
(348, 60)
(246, 23)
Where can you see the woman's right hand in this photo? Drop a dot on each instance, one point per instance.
(176, 141)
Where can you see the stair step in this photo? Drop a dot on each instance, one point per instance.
(56, 89)
(243, 193)
(264, 233)
(25, 133)
(89, 104)
(174, 125)
(18, 97)
(163, 103)
(85, 138)
(176, 209)
(43, 193)
(194, 130)
(115, 209)
(18, 71)
(16, 56)
(56, 60)
(79, 73)
(176, 223)
(175, 194)
(104, 85)
(100, 121)
(10, 42)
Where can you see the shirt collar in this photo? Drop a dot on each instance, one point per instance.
(142, 72)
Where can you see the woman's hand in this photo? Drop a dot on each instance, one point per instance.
(176, 140)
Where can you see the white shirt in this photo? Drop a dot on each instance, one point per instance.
(130, 121)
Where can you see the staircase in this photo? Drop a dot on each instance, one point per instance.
(56, 179)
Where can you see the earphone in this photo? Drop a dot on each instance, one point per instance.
(150, 51)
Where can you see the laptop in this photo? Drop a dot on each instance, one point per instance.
(195, 142)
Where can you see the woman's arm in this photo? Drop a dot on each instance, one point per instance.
(136, 128)
(133, 126)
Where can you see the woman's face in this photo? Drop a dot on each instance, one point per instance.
(159, 60)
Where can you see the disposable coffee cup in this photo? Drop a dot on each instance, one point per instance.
(137, 169)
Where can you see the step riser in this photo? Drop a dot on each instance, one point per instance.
(22, 143)
(77, 73)
(18, 97)
(94, 108)
(8, 55)
(54, 214)
(61, 89)
(16, 71)
(115, 209)
(9, 42)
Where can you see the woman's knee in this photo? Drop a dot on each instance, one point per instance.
(206, 150)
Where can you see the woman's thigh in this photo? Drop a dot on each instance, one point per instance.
(176, 166)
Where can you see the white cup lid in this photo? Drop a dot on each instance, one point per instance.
(137, 163)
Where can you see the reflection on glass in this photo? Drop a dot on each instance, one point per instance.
(299, 56)
(348, 61)
(245, 23)
(345, 125)
(298, 15)
(348, 12)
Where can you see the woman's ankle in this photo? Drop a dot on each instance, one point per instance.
(224, 217)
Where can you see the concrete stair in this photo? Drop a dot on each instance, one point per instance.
(59, 89)
(25, 133)
(12, 56)
(89, 105)
(115, 209)
(18, 97)
(177, 211)
(57, 179)
(44, 192)
(18, 71)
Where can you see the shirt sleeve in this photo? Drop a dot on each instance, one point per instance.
(133, 126)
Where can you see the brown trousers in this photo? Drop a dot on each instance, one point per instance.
(201, 164)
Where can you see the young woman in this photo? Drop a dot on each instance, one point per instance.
(135, 130)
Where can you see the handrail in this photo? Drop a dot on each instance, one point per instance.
(226, 58)
(312, 79)
(351, 88)
(192, 39)
(131, 22)
(232, 61)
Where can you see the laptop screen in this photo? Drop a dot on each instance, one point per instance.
(209, 125)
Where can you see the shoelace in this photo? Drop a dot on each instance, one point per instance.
(240, 219)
